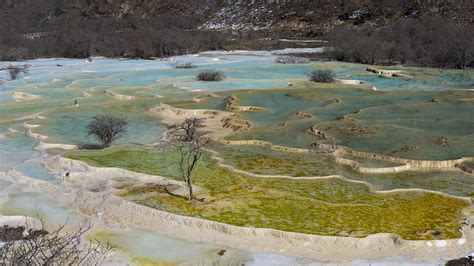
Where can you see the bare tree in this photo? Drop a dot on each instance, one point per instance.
(107, 129)
(190, 147)
(190, 153)
(189, 127)
(14, 71)
(25, 245)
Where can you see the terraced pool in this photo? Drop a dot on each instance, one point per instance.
(425, 115)
(322, 206)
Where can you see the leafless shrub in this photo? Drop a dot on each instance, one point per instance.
(187, 65)
(14, 71)
(210, 75)
(57, 247)
(190, 153)
(107, 129)
(321, 76)
(291, 60)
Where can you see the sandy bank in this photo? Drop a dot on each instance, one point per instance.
(388, 73)
(201, 98)
(231, 105)
(218, 123)
(119, 96)
(349, 81)
(32, 116)
(23, 96)
(42, 146)
(86, 175)
(408, 164)
(31, 134)
(29, 126)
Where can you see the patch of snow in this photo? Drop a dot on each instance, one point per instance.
(299, 50)
(241, 16)
(359, 13)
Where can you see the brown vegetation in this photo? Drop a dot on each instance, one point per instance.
(324, 76)
(428, 33)
(107, 129)
(14, 71)
(184, 66)
(210, 75)
(25, 245)
(428, 42)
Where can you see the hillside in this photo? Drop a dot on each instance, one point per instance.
(148, 28)
(299, 17)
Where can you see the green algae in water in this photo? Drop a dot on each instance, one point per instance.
(259, 160)
(325, 207)
(148, 248)
(265, 161)
(138, 159)
(399, 118)
(36, 205)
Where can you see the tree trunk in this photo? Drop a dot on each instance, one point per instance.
(190, 188)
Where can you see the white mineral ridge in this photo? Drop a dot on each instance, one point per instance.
(274, 260)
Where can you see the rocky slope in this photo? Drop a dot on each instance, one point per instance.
(158, 28)
(301, 17)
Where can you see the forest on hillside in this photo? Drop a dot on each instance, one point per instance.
(419, 32)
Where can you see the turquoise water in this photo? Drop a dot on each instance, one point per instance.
(411, 112)
(264, 161)
(146, 246)
(401, 111)
(397, 119)
(38, 171)
(405, 117)
(16, 148)
(139, 244)
(37, 205)
(70, 126)
(243, 72)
